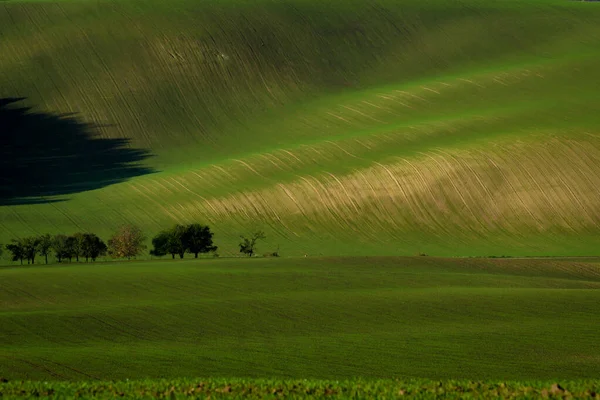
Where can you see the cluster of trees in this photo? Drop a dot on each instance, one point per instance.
(197, 239)
(64, 247)
(181, 239)
(126, 242)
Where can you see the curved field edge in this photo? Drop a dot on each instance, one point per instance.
(237, 388)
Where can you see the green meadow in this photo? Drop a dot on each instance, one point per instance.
(349, 128)
(322, 318)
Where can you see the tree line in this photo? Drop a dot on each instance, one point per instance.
(127, 242)
(64, 247)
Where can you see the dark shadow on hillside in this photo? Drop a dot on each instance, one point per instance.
(44, 155)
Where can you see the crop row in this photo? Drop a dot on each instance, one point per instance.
(221, 388)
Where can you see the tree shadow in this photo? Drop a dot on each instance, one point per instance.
(44, 155)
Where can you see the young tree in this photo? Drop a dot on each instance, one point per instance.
(198, 239)
(44, 246)
(60, 247)
(30, 248)
(16, 249)
(92, 247)
(248, 244)
(127, 242)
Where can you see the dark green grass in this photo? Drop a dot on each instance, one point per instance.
(275, 388)
(326, 318)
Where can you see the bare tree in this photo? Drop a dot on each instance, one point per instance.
(248, 244)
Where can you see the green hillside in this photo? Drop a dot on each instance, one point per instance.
(326, 318)
(340, 128)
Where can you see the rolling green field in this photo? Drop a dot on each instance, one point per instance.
(347, 128)
(351, 132)
(320, 318)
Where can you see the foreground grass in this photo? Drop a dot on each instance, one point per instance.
(323, 318)
(221, 388)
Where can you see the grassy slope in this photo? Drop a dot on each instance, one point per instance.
(303, 318)
(348, 128)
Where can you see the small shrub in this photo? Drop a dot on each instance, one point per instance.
(274, 254)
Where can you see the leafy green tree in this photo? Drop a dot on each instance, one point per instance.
(61, 247)
(198, 239)
(30, 247)
(92, 247)
(248, 244)
(160, 244)
(71, 247)
(77, 245)
(176, 244)
(170, 241)
(127, 242)
(17, 250)
(44, 246)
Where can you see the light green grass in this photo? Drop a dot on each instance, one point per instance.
(322, 318)
(276, 92)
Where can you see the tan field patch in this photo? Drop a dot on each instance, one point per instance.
(535, 186)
